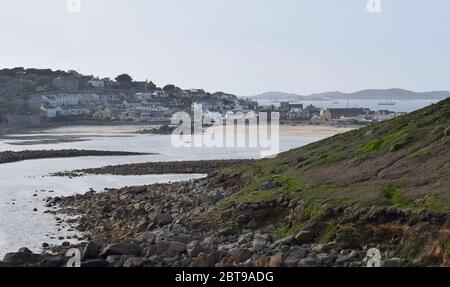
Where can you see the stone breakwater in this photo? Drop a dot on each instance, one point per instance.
(174, 167)
(13, 156)
(170, 225)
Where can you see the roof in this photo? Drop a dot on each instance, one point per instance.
(344, 112)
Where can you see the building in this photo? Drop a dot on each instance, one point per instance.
(97, 83)
(295, 107)
(284, 106)
(337, 114)
(212, 104)
(143, 96)
(66, 99)
(157, 116)
(49, 111)
(66, 83)
(313, 112)
(72, 111)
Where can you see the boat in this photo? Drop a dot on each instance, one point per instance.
(387, 103)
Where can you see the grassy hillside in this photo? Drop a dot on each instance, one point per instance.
(378, 183)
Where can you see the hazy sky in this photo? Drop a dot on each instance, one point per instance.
(239, 46)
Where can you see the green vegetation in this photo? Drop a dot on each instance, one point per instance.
(395, 196)
(335, 186)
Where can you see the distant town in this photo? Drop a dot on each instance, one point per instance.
(31, 97)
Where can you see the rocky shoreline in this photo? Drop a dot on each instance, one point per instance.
(14, 156)
(173, 167)
(162, 130)
(172, 225)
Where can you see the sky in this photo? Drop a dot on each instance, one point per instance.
(244, 47)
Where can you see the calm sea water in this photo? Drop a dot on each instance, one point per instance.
(25, 185)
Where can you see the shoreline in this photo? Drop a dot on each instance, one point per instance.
(174, 225)
(170, 167)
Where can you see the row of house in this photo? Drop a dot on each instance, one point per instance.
(297, 112)
(151, 106)
(356, 115)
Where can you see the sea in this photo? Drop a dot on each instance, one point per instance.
(25, 185)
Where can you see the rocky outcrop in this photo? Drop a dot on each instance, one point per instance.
(166, 225)
(13, 156)
(175, 167)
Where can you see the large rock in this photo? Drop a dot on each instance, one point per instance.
(194, 248)
(304, 237)
(121, 249)
(96, 263)
(284, 241)
(22, 258)
(270, 185)
(238, 256)
(177, 247)
(393, 262)
(199, 261)
(147, 237)
(245, 238)
(242, 219)
(163, 219)
(138, 262)
(53, 261)
(308, 262)
(295, 254)
(276, 260)
(326, 259)
(91, 250)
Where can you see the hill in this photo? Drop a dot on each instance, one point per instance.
(387, 183)
(278, 96)
(370, 94)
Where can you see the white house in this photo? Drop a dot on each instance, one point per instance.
(49, 112)
(97, 83)
(67, 100)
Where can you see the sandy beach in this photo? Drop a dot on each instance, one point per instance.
(310, 131)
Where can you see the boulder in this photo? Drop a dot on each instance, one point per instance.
(270, 185)
(245, 238)
(96, 263)
(200, 261)
(147, 237)
(238, 256)
(393, 262)
(242, 219)
(295, 254)
(304, 237)
(53, 261)
(161, 247)
(194, 248)
(308, 262)
(134, 262)
(22, 258)
(163, 219)
(177, 247)
(276, 260)
(284, 241)
(121, 249)
(91, 250)
(326, 259)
